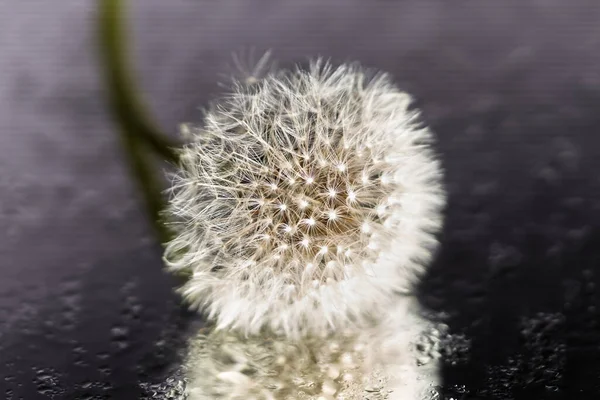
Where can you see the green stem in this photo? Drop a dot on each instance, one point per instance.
(136, 129)
(148, 184)
(125, 105)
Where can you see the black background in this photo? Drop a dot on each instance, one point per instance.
(511, 89)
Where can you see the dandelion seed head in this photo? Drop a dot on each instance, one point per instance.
(303, 158)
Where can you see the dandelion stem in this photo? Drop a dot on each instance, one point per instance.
(147, 182)
(125, 105)
(137, 131)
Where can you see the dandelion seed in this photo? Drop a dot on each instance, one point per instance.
(309, 222)
(365, 228)
(302, 204)
(365, 178)
(351, 196)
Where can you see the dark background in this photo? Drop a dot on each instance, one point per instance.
(511, 88)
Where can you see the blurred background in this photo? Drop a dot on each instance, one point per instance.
(511, 89)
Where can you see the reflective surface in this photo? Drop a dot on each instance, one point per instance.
(512, 91)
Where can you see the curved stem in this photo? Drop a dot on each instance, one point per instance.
(125, 105)
(136, 130)
(148, 184)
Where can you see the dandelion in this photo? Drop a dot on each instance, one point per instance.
(305, 201)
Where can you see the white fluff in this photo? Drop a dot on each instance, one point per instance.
(305, 200)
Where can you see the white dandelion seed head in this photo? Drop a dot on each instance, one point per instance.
(262, 147)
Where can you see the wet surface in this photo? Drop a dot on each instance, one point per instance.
(511, 89)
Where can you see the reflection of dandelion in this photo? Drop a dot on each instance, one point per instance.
(375, 364)
(230, 367)
(304, 202)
